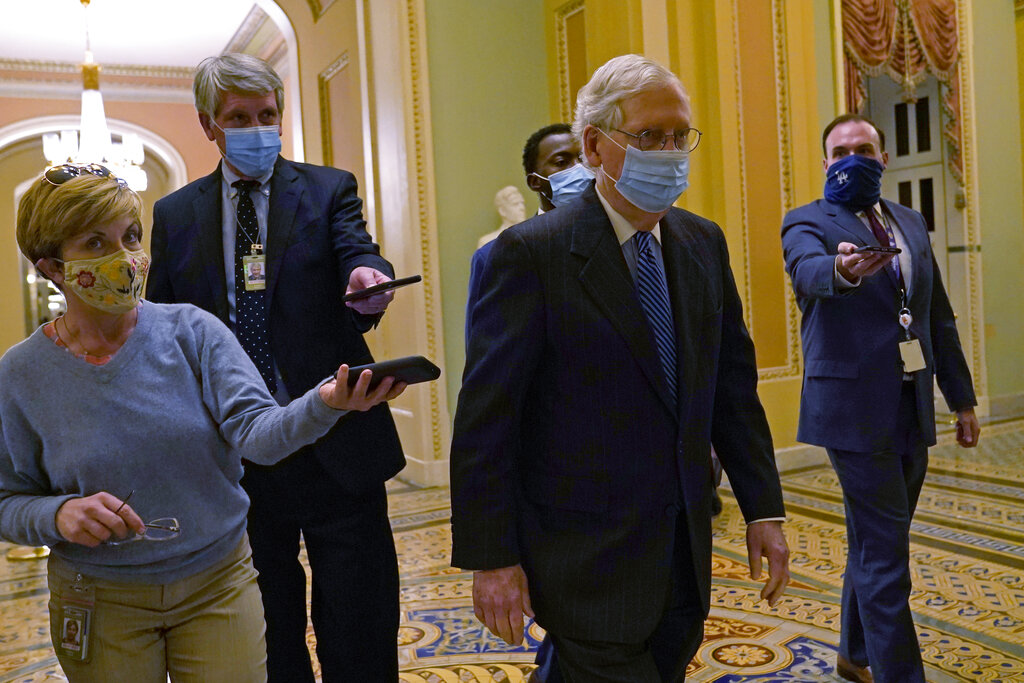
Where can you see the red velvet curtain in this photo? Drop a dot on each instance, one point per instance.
(906, 39)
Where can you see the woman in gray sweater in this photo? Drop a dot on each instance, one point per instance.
(119, 399)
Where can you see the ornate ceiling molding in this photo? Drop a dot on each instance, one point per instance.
(129, 70)
(318, 8)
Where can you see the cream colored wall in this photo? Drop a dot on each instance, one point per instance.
(994, 54)
(1020, 66)
(488, 84)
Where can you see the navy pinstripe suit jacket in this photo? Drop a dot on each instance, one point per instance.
(568, 456)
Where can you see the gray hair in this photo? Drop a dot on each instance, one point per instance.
(598, 103)
(234, 72)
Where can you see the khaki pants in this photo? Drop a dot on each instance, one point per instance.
(207, 628)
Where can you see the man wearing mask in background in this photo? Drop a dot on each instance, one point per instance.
(303, 225)
(607, 353)
(877, 328)
(551, 161)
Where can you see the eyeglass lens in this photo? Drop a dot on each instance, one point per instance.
(162, 529)
(57, 175)
(685, 139)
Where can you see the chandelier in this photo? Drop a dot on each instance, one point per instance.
(92, 143)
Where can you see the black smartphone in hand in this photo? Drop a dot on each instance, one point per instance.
(872, 249)
(411, 370)
(382, 287)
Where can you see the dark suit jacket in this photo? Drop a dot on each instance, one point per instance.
(568, 455)
(476, 269)
(852, 367)
(315, 238)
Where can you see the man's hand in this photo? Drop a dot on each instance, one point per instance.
(340, 396)
(361, 278)
(94, 519)
(765, 539)
(967, 428)
(855, 266)
(500, 599)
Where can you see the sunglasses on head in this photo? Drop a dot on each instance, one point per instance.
(58, 175)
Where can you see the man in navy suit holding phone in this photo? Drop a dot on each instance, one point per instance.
(877, 327)
(303, 226)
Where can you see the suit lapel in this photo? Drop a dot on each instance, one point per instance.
(916, 241)
(286, 190)
(687, 286)
(605, 277)
(210, 230)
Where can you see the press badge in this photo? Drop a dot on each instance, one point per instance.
(75, 613)
(911, 355)
(254, 267)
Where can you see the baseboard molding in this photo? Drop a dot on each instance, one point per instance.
(798, 456)
(1006, 406)
(425, 472)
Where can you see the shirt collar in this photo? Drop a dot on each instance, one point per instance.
(624, 230)
(230, 177)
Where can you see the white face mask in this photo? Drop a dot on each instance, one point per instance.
(652, 181)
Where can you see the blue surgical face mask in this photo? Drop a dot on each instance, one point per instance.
(568, 183)
(855, 181)
(253, 150)
(652, 181)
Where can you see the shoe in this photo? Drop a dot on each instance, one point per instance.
(851, 672)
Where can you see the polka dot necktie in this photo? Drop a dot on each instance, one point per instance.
(653, 291)
(250, 308)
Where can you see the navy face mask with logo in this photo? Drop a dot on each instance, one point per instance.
(854, 181)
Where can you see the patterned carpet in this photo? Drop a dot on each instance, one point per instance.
(967, 561)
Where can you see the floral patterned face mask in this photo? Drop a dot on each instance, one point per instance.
(111, 283)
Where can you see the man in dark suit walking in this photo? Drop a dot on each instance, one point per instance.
(606, 353)
(550, 159)
(303, 225)
(877, 328)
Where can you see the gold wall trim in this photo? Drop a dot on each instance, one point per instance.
(134, 70)
(565, 94)
(782, 102)
(319, 8)
(426, 215)
(972, 231)
(324, 90)
(1019, 5)
(748, 301)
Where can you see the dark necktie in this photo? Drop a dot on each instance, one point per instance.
(885, 239)
(653, 292)
(250, 309)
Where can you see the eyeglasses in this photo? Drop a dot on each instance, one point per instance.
(685, 139)
(163, 529)
(60, 174)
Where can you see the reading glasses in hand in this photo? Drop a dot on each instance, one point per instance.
(685, 139)
(162, 529)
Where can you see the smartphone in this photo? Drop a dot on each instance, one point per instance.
(382, 287)
(871, 249)
(411, 370)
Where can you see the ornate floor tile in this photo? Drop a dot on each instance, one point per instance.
(967, 561)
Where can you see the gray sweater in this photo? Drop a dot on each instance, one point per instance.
(169, 416)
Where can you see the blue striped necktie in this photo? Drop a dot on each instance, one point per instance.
(653, 292)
